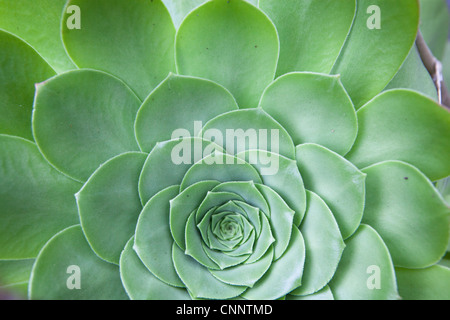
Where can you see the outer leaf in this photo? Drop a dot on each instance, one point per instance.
(232, 43)
(141, 284)
(199, 281)
(36, 200)
(431, 283)
(338, 182)
(408, 213)
(313, 108)
(371, 57)
(398, 123)
(365, 271)
(52, 274)
(21, 68)
(94, 122)
(31, 20)
(162, 168)
(305, 44)
(179, 9)
(109, 206)
(134, 42)
(153, 239)
(434, 25)
(324, 246)
(14, 276)
(178, 105)
(413, 75)
(271, 285)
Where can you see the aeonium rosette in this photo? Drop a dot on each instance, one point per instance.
(213, 155)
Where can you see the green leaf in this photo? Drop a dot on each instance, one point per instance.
(31, 211)
(263, 242)
(220, 167)
(179, 107)
(153, 239)
(194, 245)
(200, 282)
(248, 191)
(434, 25)
(365, 271)
(31, 20)
(141, 284)
(413, 75)
(183, 205)
(397, 125)
(324, 294)
(214, 199)
(431, 283)
(337, 181)
(305, 44)
(324, 246)
(272, 285)
(109, 206)
(313, 108)
(249, 129)
(135, 43)
(245, 274)
(415, 230)
(169, 161)
(281, 218)
(94, 122)
(230, 42)
(179, 9)
(371, 57)
(67, 261)
(21, 68)
(281, 175)
(14, 277)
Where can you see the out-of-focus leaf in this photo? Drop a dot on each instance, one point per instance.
(133, 42)
(371, 57)
(431, 283)
(21, 68)
(413, 75)
(230, 42)
(305, 44)
(39, 24)
(34, 207)
(434, 25)
(67, 269)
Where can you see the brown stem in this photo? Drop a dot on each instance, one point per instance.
(434, 67)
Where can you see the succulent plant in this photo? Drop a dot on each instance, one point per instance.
(220, 149)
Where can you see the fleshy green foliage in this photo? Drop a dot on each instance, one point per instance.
(221, 149)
